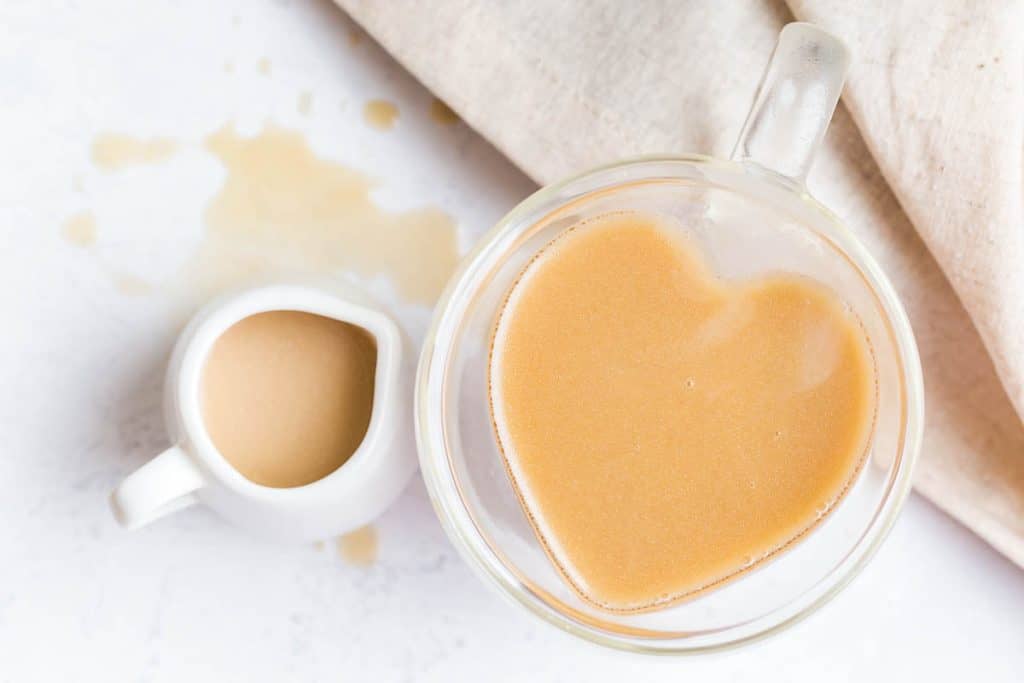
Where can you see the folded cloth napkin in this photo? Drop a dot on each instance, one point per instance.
(923, 161)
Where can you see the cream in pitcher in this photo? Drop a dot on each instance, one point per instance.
(287, 395)
(288, 405)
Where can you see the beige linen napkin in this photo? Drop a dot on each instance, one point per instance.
(923, 161)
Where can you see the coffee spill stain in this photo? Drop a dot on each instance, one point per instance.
(113, 151)
(318, 546)
(80, 229)
(355, 35)
(442, 113)
(380, 114)
(229, 67)
(359, 547)
(265, 66)
(305, 103)
(283, 210)
(131, 285)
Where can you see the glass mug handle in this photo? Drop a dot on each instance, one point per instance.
(166, 483)
(794, 102)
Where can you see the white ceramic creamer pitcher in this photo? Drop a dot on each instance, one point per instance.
(192, 471)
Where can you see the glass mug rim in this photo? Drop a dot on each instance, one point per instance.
(431, 385)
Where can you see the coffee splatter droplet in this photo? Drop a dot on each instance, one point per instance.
(380, 114)
(131, 285)
(80, 229)
(305, 103)
(359, 547)
(114, 151)
(442, 113)
(283, 210)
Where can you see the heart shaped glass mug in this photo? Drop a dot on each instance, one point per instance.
(751, 215)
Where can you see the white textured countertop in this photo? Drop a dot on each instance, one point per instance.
(81, 359)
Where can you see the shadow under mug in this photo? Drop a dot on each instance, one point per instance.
(750, 216)
(193, 471)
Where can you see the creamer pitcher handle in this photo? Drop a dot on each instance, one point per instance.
(795, 101)
(166, 483)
